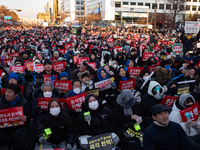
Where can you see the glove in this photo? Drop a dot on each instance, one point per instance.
(113, 85)
(139, 119)
(188, 124)
(70, 61)
(42, 140)
(68, 146)
(158, 97)
(196, 126)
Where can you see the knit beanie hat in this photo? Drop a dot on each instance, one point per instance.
(63, 74)
(13, 75)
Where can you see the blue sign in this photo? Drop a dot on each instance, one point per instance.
(7, 17)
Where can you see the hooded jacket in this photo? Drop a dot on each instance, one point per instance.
(148, 100)
(102, 120)
(163, 75)
(176, 117)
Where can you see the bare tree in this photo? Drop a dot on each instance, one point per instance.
(175, 7)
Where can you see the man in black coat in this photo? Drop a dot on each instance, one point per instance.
(163, 134)
(13, 98)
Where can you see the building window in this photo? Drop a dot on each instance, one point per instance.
(77, 7)
(188, 0)
(175, 7)
(82, 7)
(117, 4)
(133, 3)
(194, 0)
(188, 7)
(194, 8)
(82, 2)
(77, 2)
(82, 13)
(148, 4)
(125, 3)
(168, 7)
(199, 8)
(154, 6)
(140, 4)
(181, 7)
(161, 6)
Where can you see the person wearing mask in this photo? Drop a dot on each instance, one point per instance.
(164, 73)
(48, 69)
(32, 86)
(102, 121)
(63, 134)
(150, 62)
(83, 68)
(192, 129)
(93, 59)
(163, 134)
(17, 135)
(172, 88)
(151, 98)
(105, 60)
(126, 114)
(87, 83)
(46, 90)
(69, 56)
(113, 67)
(144, 75)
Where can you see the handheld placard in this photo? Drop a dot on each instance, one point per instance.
(188, 115)
(136, 126)
(87, 117)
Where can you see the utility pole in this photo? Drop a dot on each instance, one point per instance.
(121, 12)
(155, 14)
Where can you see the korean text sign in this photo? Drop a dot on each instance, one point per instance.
(43, 102)
(103, 85)
(62, 85)
(128, 84)
(168, 100)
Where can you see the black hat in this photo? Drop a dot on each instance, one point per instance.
(158, 108)
(39, 75)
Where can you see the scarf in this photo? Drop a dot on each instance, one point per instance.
(15, 101)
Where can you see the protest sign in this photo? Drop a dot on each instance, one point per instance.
(14, 54)
(43, 102)
(93, 91)
(163, 57)
(19, 69)
(117, 48)
(152, 68)
(101, 142)
(10, 117)
(109, 40)
(138, 135)
(93, 65)
(164, 42)
(193, 110)
(74, 103)
(47, 78)
(134, 71)
(146, 55)
(182, 89)
(198, 45)
(177, 48)
(191, 26)
(80, 60)
(169, 100)
(3, 90)
(157, 48)
(59, 66)
(67, 46)
(6, 61)
(63, 85)
(142, 47)
(103, 85)
(62, 51)
(128, 84)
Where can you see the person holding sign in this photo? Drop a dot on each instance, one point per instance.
(121, 75)
(48, 69)
(94, 119)
(163, 134)
(191, 128)
(46, 90)
(18, 134)
(153, 96)
(87, 83)
(60, 124)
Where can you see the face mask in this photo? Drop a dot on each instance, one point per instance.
(173, 91)
(47, 94)
(77, 90)
(145, 78)
(55, 111)
(115, 66)
(94, 105)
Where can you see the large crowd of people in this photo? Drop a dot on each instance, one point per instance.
(61, 86)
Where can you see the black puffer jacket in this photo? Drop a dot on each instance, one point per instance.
(102, 120)
(63, 131)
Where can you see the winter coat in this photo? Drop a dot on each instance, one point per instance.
(163, 75)
(63, 132)
(148, 100)
(53, 72)
(139, 84)
(196, 94)
(102, 121)
(170, 137)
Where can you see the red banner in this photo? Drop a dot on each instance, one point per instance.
(47, 78)
(75, 102)
(14, 54)
(103, 85)
(53, 60)
(75, 58)
(6, 61)
(197, 65)
(43, 102)
(157, 48)
(146, 55)
(10, 117)
(109, 40)
(152, 68)
(193, 110)
(67, 46)
(164, 42)
(142, 47)
(169, 100)
(128, 84)
(81, 60)
(119, 48)
(26, 61)
(38, 67)
(3, 90)
(93, 65)
(21, 49)
(17, 69)
(63, 85)
(62, 51)
(59, 66)
(39, 56)
(134, 71)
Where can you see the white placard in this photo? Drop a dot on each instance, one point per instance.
(191, 26)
